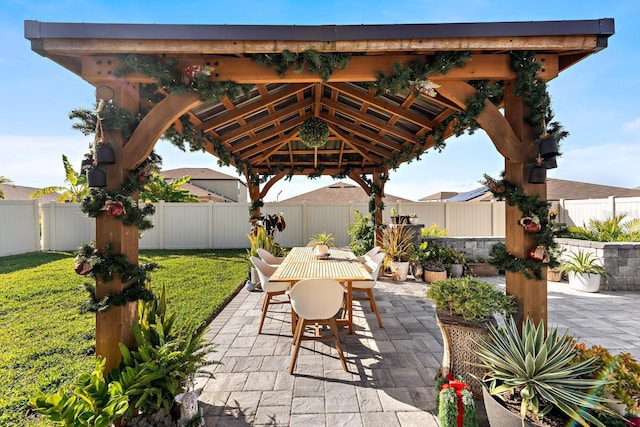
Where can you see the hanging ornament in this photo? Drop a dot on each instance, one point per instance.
(314, 132)
(539, 253)
(82, 267)
(538, 173)
(531, 223)
(114, 208)
(424, 87)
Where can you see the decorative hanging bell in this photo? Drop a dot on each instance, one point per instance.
(96, 177)
(548, 147)
(105, 155)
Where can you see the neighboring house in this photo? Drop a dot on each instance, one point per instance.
(340, 192)
(557, 189)
(210, 185)
(18, 192)
(440, 196)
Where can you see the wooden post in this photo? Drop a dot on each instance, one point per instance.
(377, 198)
(114, 325)
(254, 195)
(530, 293)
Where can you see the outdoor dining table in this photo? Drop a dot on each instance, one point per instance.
(341, 265)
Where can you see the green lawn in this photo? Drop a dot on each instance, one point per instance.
(45, 342)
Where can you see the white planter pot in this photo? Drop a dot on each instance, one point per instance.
(321, 250)
(585, 282)
(401, 269)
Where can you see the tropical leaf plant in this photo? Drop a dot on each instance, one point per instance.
(76, 190)
(582, 262)
(159, 189)
(614, 229)
(3, 180)
(541, 373)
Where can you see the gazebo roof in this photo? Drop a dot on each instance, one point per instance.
(366, 130)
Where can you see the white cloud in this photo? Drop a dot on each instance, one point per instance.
(633, 124)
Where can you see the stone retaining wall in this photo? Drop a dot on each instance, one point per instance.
(620, 259)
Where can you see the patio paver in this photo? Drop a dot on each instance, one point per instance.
(391, 370)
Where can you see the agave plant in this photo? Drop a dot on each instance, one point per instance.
(582, 262)
(542, 373)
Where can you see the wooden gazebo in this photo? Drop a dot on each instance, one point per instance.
(372, 85)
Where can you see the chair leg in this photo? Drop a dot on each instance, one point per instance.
(336, 338)
(374, 306)
(265, 306)
(297, 339)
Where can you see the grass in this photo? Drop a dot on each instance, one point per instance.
(45, 342)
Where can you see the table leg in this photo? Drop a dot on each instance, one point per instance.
(350, 306)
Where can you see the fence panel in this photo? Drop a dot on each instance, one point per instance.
(186, 226)
(19, 227)
(229, 225)
(629, 206)
(469, 219)
(294, 232)
(331, 218)
(65, 227)
(579, 212)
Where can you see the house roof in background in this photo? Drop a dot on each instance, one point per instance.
(198, 173)
(559, 189)
(340, 192)
(19, 192)
(204, 194)
(439, 196)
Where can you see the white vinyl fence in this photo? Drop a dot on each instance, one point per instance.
(225, 225)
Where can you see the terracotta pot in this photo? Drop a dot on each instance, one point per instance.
(554, 275)
(432, 276)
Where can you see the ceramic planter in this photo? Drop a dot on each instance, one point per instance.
(321, 250)
(499, 416)
(457, 270)
(585, 282)
(401, 269)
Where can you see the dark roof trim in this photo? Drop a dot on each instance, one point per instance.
(324, 33)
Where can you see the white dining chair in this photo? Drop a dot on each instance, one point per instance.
(271, 289)
(371, 252)
(269, 258)
(316, 302)
(374, 266)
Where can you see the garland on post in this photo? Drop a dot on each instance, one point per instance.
(104, 267)
(531, 206)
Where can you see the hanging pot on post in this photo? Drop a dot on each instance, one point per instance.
(537, 175)
(105, 155)
(96, 177)
(85, 165)
(551, 163)
(548, 147)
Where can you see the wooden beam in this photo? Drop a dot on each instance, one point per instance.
(359, 69)
(277, 177)
(359, 148)
(237, 147)
(364, 133)
(531, 294)
(154, 124)
(493, 123)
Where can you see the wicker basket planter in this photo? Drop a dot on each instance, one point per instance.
(459, 339)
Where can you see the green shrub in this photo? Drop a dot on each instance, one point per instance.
(614, 229)
(361, 233)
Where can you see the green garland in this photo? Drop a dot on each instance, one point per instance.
(529, 205)
(105, 267)
(314, 132)
(113, 118)
(95, 204)
(316, 62)
(193, 78)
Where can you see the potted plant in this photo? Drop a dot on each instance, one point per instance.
(455, 404)
(397, 244)
(320, 243)
(623, 372)
(479, 266)
(464, 308)
(538, 376)
(583, 270)
(433, 257)
(259, 238)
(395, 219)
(457, 260)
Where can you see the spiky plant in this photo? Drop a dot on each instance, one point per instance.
(540, 372)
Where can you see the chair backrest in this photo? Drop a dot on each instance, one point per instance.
(374, 264)
(268, 257)
(316, 299)
(265, 271)
(373, 251)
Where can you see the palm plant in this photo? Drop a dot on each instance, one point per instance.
(159, 189)
(614, 229)
(76, 190)
(542, 373)
(582, 262)
(3, 180)
(397, 242)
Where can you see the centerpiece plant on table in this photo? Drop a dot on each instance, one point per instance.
(535, 380)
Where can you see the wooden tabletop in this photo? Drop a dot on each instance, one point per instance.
(300, 263)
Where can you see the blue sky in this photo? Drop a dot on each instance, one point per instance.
(596, 100)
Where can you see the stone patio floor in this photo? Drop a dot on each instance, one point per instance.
(391, 370)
